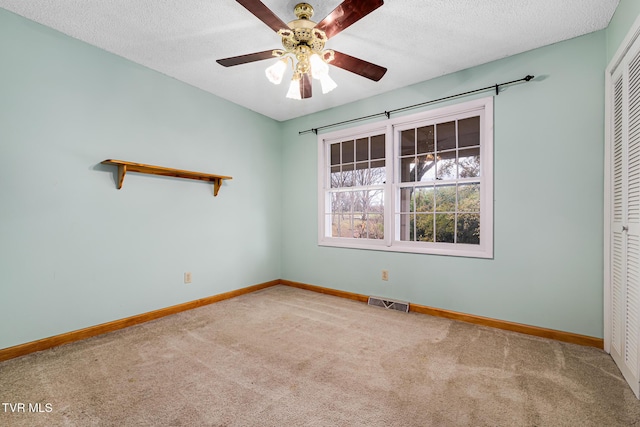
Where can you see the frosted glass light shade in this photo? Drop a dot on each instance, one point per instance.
(294, 89)
(319, 68)
(276, 71)
(327, 84)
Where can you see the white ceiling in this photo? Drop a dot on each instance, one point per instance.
(415, 39)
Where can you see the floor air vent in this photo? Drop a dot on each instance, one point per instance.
(390, 304)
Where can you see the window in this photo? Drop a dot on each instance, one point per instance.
(421, 183)
(357, 179)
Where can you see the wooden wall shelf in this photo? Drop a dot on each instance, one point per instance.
(124, 167)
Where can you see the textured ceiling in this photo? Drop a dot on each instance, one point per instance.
(415, 39)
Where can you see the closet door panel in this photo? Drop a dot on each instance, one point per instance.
(632, 297)
(619, 242)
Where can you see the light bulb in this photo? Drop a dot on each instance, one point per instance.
(327, 84)
(319, 68)
(294, 87)
(276, 71)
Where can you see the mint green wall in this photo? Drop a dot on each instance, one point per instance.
(74, 250)
(626, 14)
(548, 264)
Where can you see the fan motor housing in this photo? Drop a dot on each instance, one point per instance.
(303, 31)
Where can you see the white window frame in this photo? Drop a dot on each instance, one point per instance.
(391, 128)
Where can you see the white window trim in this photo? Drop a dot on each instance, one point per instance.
(389, 127)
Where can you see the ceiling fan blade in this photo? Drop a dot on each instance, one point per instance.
(347, 13)
(305, 86)
(264, 14)
(244, 59)
(358, 66)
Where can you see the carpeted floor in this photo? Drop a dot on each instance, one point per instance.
(289, 357)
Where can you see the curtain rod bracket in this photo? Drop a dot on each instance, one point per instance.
(497, 89)
(388, 114)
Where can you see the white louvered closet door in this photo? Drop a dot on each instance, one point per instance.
(624, 214)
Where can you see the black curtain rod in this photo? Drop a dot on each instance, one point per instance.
(495, 87)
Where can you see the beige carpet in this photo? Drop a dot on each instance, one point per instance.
(288, 357)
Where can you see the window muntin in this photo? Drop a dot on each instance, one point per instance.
(420, 183)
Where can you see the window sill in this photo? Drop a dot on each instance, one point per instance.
(444, 249)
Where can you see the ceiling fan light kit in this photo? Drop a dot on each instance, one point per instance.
(303, 41)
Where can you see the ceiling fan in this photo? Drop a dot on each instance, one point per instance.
(303, 41)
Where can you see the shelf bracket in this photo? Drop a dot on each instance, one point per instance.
(217, 183)
(122, 171)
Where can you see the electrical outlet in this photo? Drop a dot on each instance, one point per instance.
(187, 277)
(385, 275)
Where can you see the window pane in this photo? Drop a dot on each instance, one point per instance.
(469, 132)
(424, 199)
(407, 142)
(445, 228)
(406, 202)
(336, 226)
(377, 147)
(446, 136)
(347, 152)
(365, 177)
(378, 173)
(406, 169)
(348, 175)
(362, 175)
(426, 170)
(446, 198)
(342, 218)
(446, 166)
(468, 229)
(336, 177)
(338, 205)
(372, 201)
(469, 198)
(375, 226)
(335, 154)
(341, 202)
(377, 164)
(469, 162)
(362, 149)
(424, 227)
(425, 140)
(345, 227)
(359, 227)
(407, 227)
